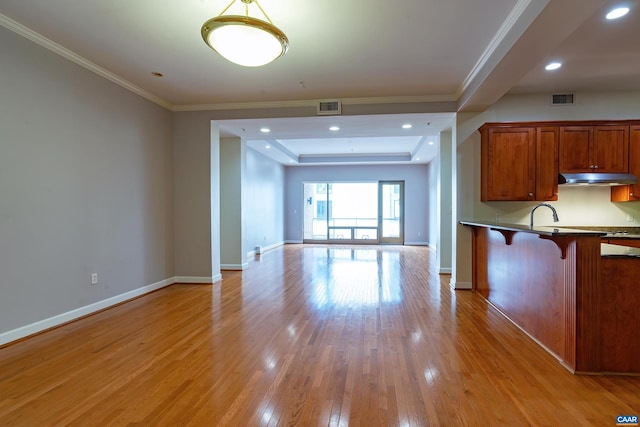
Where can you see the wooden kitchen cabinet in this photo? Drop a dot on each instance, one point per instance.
(519, 163)
(628, 193)
(547, 163)
(598, 149)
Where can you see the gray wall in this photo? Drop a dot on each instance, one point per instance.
(233, 255)
(417, 193)
(196, 147)
(264, 201)
(85, 186)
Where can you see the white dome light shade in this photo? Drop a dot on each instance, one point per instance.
(245, 40)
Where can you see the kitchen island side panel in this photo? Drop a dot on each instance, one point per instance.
(620, 305)
(585, 261)
(525, 279)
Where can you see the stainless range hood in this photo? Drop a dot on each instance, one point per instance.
(604, 179)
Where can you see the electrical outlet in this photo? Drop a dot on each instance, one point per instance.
(94, 278)
(630, 218)
(497, 217)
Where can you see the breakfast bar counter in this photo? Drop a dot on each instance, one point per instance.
(572, 294)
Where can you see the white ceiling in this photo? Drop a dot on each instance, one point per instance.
(466, 53)
(360, 139)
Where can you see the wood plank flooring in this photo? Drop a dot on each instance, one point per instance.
(307, 336)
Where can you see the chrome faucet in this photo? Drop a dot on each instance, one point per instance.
(555, 214)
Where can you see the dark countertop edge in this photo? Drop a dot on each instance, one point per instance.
(541, 230)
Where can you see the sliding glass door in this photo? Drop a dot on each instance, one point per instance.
(352, 212)
(391, 219)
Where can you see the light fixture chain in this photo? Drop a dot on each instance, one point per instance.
(246, 8)
(263, 12)
(227, 8)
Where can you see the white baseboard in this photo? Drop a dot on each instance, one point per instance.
(293, 242)
(416, 243)
(460, 285)
(253, 253)
(190, 279)
(234, 267)
(444, 271)
(42, 325)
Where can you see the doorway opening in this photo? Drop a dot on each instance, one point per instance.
(354, 212)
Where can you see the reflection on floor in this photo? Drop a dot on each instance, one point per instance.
(354, 276)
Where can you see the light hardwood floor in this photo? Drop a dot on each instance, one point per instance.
(308, 335)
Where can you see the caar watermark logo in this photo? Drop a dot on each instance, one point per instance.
(627, 420)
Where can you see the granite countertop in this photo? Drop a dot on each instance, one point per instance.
(615, 231)
(618, 251)
(541, 230)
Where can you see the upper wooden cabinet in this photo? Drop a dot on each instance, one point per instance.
(628, 193)
(519, 163)
(594, 149)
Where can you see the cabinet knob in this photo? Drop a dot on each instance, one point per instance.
(530, 194)
(595, 167)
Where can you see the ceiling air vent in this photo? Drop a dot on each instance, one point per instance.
(329, 108)
(562, 99)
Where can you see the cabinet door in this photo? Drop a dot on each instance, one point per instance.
(575, 149)
(547, 163)
(508, 164)
(610, 148)
(626, 193)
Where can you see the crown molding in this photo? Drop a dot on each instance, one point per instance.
(313, 103)
(495, 44)
(41, 40)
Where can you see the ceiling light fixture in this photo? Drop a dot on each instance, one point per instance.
(334, 128)
(407, 126)
(245, 40)
(265, 130)
(553, 66)
(618, 12)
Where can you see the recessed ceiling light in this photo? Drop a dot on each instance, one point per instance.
(267, 146)
(334, 128)
(618, 12)
(417, 158)
(430, 142)
(553, 66)
(265, 130)
(407, 126)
